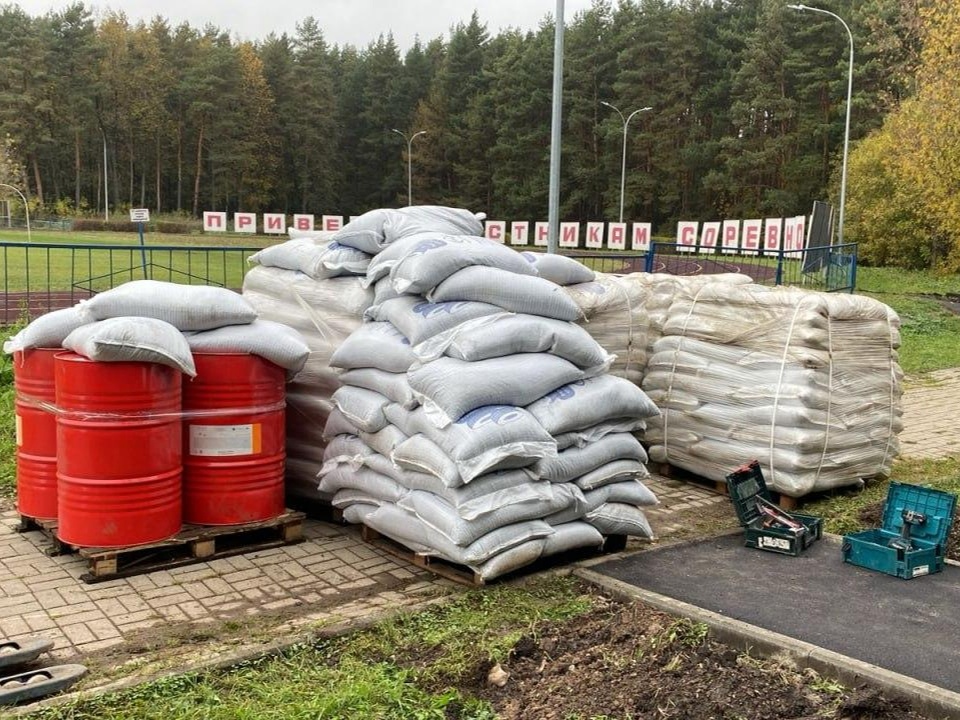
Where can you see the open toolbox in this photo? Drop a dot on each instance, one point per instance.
(912, 541)
(767, 526)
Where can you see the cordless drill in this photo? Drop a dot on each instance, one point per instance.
(910, 518)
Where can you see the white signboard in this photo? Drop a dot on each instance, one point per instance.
(139, 215)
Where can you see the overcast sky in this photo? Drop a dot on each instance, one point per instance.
(354, 22)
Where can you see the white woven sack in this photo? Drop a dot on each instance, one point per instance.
(559, 269)
(442, 517)
(431, 218)
(497, 437)
(49, 330)
(581, 438)
(318, 261)
(590, 402)
(570, 536)
(133, 339)
(449, 388)
(374, 345)
(383, 291)
(512, 559)
(417, 453)
(613, 472)
(628, 492)
(186, 307)
(620, 519)
(337, 424)
(505, 289)
(318, 236)
(509, 334)
(576, 462)
(272, 341)
(365, 232)
(419, 263)
(394, 386)
(418, 320)
(409, 530)
(384, 441)
(363, 408)
(378, 488)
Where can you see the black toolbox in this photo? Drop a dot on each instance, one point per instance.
(766, 526)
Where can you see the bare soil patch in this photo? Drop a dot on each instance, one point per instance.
(630, 661)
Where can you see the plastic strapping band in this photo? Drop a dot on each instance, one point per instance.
(673, 370)
(893, 382)
(626, 297)
(776, 397)
(313, 316)
(826, 433)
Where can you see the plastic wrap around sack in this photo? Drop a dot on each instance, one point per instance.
(280, 344)
(807, 383)
(186, 307)
(375, 230)
(392, 385)
(450, 388)
(508, 334)
(507, 290)
(589, 402)
(575, 462)
(131, 339)
(417, 264)
(418, 320)
(49, 330)
(375, 345)
(498, 437)
(316, 260)
(559, 269)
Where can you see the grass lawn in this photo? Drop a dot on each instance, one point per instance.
(363, 675)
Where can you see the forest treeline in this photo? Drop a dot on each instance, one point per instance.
(747, 118)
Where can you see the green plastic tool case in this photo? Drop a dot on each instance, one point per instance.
(928, 540)
(746, 485)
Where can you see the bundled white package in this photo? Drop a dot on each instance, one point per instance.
(186, 307)
(807, 383)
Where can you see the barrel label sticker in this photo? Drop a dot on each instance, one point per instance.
(19, 424)
(225, 440)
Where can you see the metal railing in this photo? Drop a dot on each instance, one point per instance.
(831, 268)
(36, 278)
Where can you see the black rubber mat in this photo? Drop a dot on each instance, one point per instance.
(911, 627)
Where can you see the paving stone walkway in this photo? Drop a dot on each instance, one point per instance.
(931, 417)
(333, 575)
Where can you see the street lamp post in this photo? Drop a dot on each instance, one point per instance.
(846, 132)
(409, 161)
(623, 166)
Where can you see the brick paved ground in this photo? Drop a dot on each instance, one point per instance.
(931, 416)
(331, 576)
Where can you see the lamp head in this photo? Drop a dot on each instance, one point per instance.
(645, 109)
(797, 7)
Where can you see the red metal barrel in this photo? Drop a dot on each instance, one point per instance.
(119, 468)
(36, 433)
(233, 440)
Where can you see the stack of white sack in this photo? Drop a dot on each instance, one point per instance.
(313, 283)
(430, 443)
(807, 383)
(153, 321)
(625, 313)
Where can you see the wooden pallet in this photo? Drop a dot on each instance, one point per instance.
(49, 530)
(193, 544)
(451, 571)
(786, 502)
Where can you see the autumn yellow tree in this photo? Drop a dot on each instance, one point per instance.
(904, 204)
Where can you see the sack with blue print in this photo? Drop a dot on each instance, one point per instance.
(590, 402)
(374, 345)
(516, 293)
(559, 269)
(417, 320)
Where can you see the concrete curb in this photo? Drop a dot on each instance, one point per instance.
(923, 697)
(228, 660)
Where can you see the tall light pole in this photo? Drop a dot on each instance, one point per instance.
(106, 188)
(556, 130)
(409, 161)
(846, 132)
(623, 166)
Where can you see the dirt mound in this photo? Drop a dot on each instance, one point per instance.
(630, 661)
